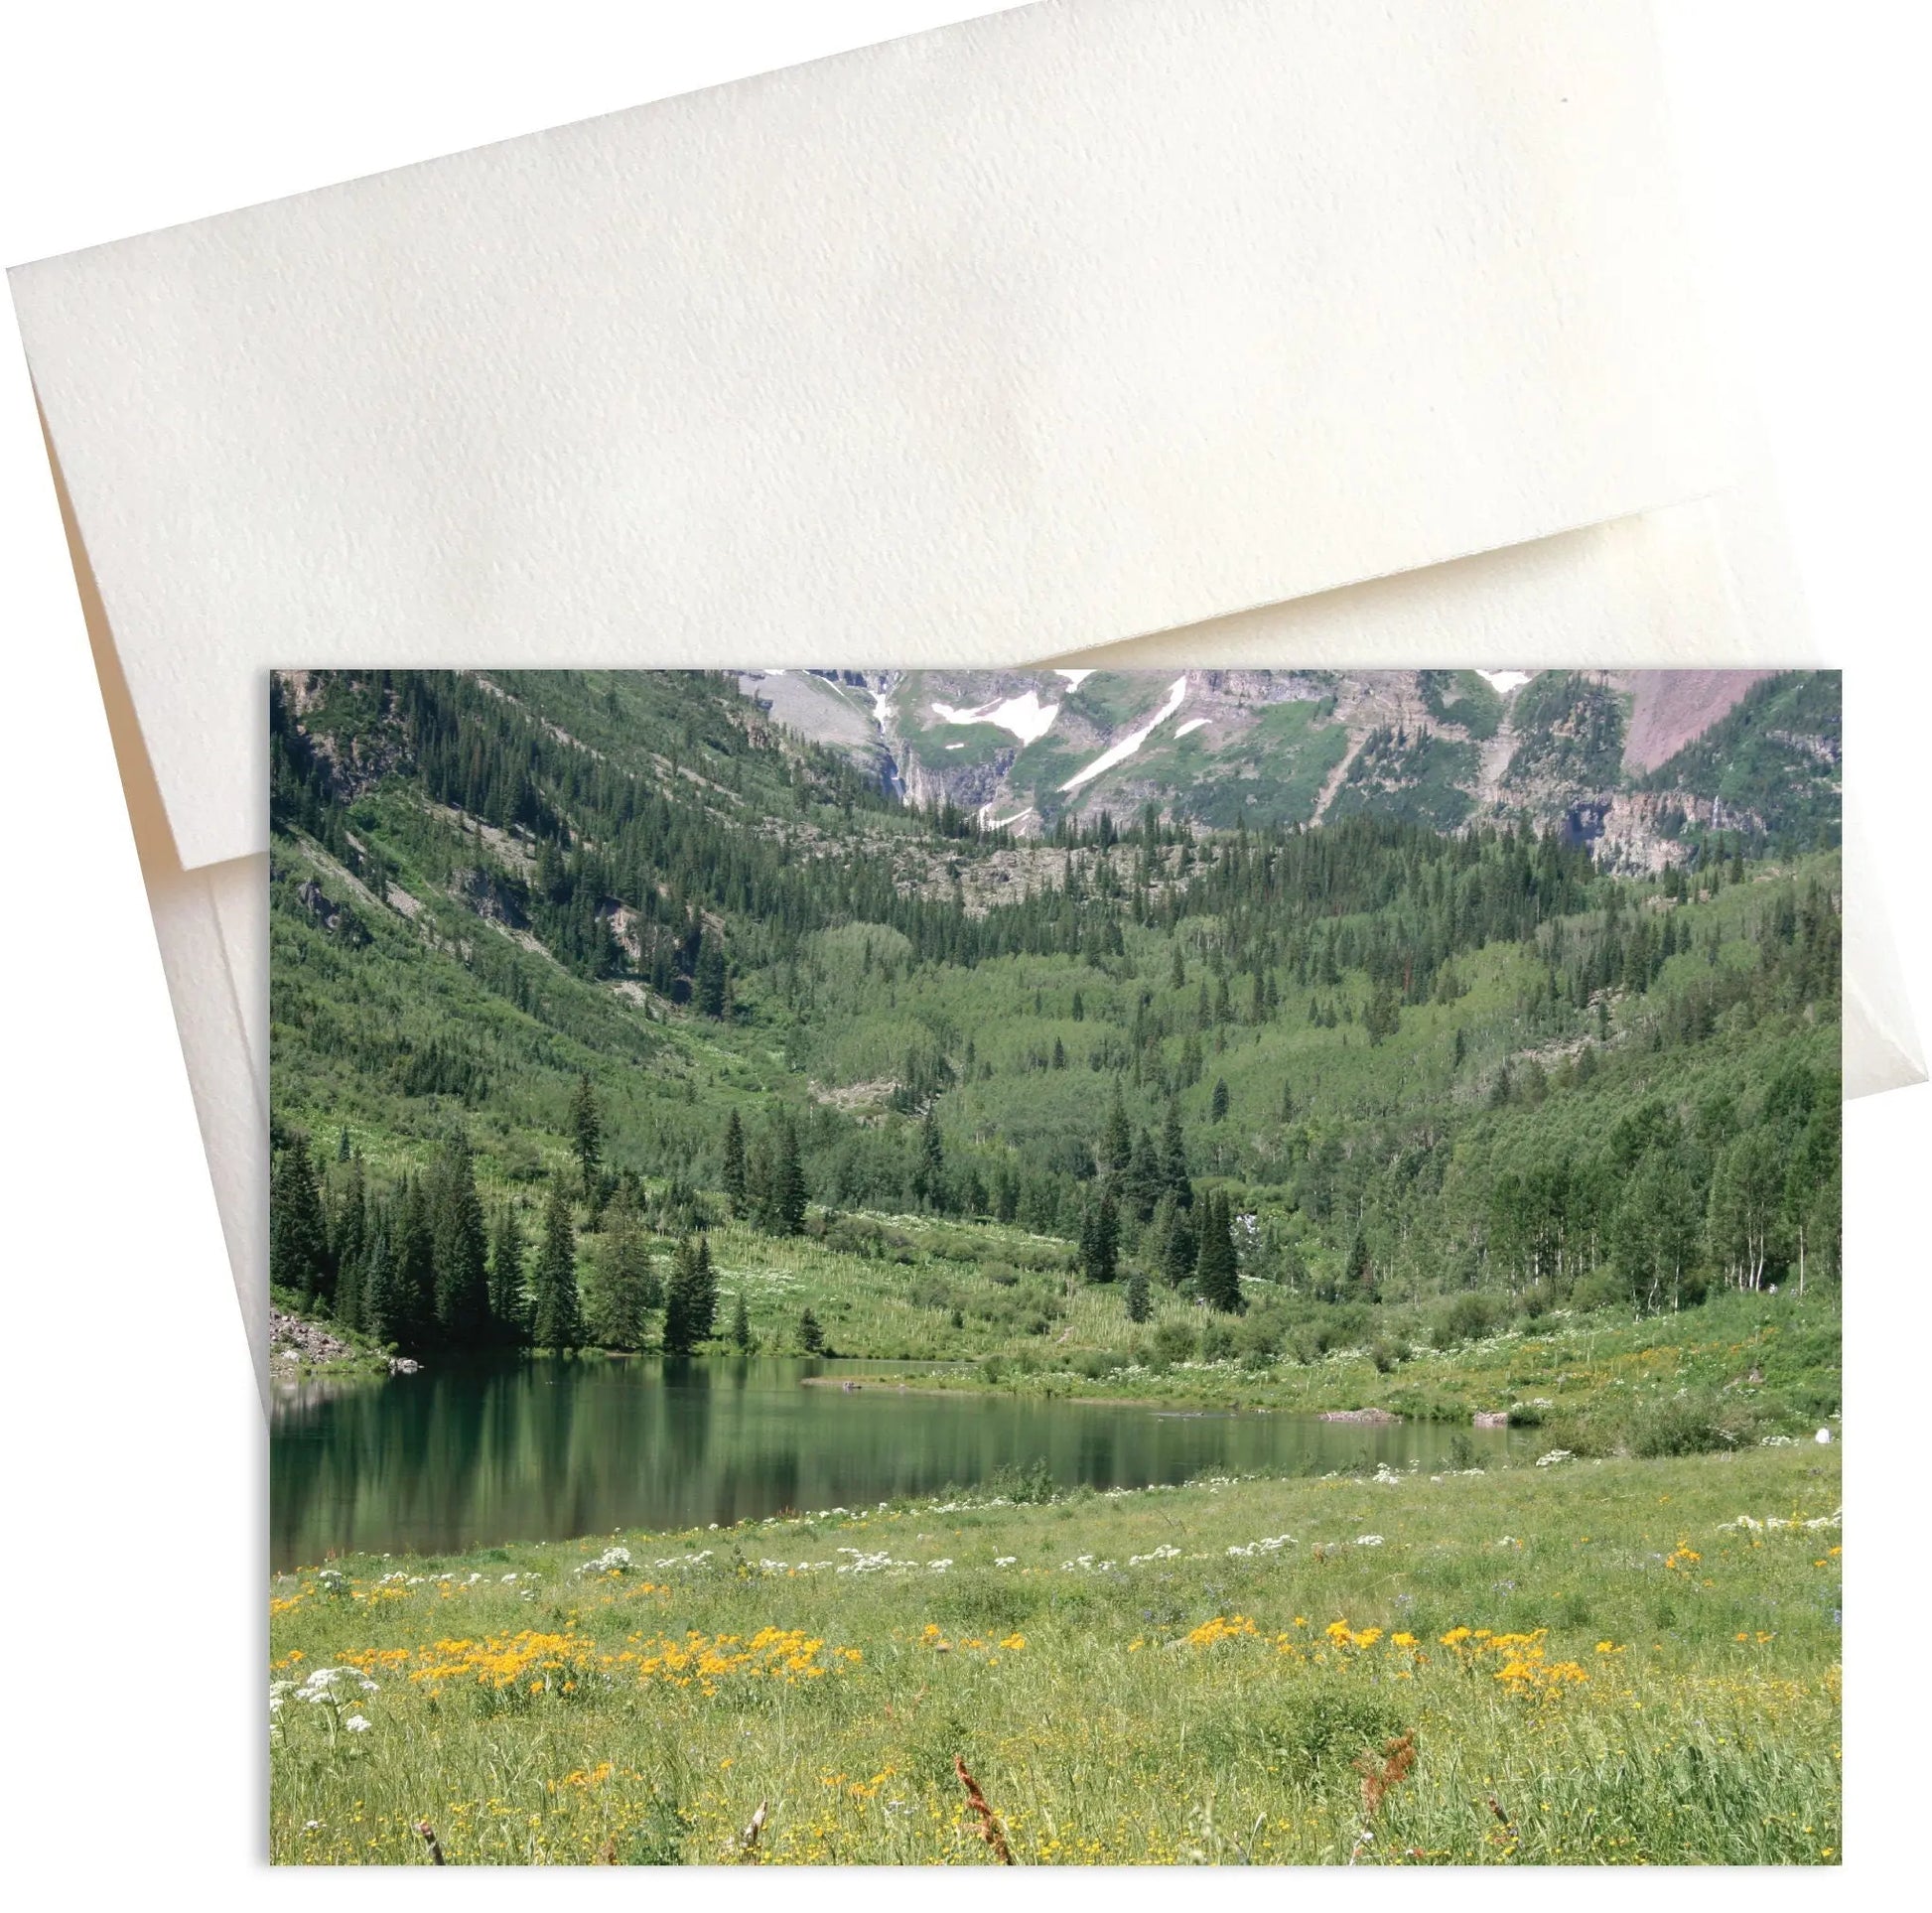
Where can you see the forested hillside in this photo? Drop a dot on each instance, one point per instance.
(580, 979)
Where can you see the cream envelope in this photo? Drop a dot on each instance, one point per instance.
(1036, 335)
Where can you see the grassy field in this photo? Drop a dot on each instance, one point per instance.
(1581, 1662)
(1006, 1303)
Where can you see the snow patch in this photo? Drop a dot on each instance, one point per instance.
(1192, 724)
(1074, 679)
(1026, 716)
(1505, 681)
(1003, 822)
(1125, 748)
(956, 747)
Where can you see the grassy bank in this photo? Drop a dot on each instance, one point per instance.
(1726, 1373)
(1590, 1661)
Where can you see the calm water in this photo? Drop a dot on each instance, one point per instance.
(473, 1454)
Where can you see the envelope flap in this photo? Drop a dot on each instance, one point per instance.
(1073, 323)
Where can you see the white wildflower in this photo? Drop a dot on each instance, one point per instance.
(356, 1723)
(1555, 1455)
(1368, 1541)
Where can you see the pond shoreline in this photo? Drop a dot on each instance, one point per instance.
(537, 1449)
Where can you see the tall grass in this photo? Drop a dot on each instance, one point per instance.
(1590, 1662)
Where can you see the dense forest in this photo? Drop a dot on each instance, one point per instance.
(570, 971)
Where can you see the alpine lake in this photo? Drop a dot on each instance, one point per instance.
(480, 1452)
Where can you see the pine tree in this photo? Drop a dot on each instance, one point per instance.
(586, 1133)
(459, 1248)
(1140, 1303)
(413, 1271)
(785, 1194)
(1006, 1193)
(298, 1238)
(741, 1325)
(1173, 1160)
(1117, 1140)
(1362, 1269)
(929, 1172)
(733, 1174)
(348, 1238)
(1221, 1100)
(625, 1288)
(1140, 1186)
(507, 1303)
(376, 1314)
(708, 988)
(1217, 1270)
(1100, 1239)
(1177, 1254)
(557, 1322)
(811, 1338)
(691, 1301)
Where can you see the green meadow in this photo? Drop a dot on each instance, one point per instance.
(1586, 1662)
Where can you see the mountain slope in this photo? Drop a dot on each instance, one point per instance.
(1581, 751)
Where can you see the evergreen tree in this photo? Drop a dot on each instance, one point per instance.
(708, 988)
(625, 1288)
(1362, 1269)
(459, 1248)
(1221, 1103)
(929, 1172)
(414, 1269)
(1140, 1185)
(377, 1314)
(741, 1325)
(691, 1301)
(349, 1241)
(298, 1237)
(586, 1133)
(1100, 1239)
(1117, 1140)
(506, 1302)
(556, 1323)
(1179, 1247)
(1217, 1270)
(787, 1193)
(733, 1171)
(811, 1338)
(1006, 1193)
(1140, 1303)
(1173, 1160)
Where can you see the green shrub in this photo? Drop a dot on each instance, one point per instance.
(1468, 1318)
(1170, 1343)
(1691, 1423)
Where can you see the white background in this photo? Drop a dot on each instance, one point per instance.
(133, 1459)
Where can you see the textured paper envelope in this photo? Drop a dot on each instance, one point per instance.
(1079, 323)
